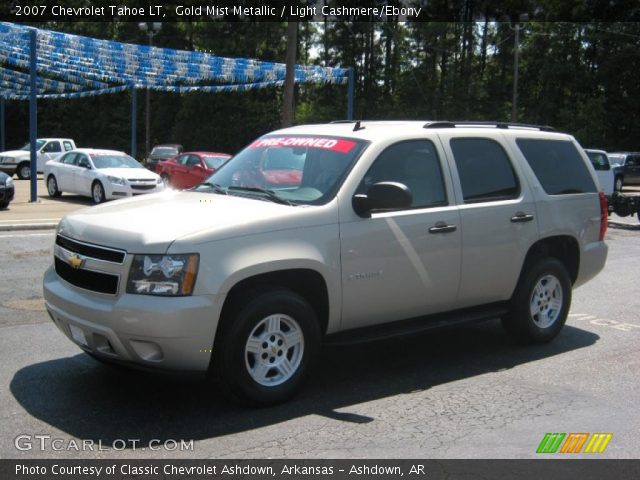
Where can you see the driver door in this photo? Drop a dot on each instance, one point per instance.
(403, 263)
(48, 152)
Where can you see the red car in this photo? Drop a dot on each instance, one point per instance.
(190, 168)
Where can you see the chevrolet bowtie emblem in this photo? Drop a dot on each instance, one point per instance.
(76, 261)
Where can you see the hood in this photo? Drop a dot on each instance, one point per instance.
(15, 153)
(150, 223)
(132, 173)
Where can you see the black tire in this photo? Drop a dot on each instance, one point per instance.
(232, 362)
(166, 180)
(542, 327)
(97, 192)
(24, 171)
(52, 187)
(3, 205)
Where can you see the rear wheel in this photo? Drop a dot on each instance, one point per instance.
(3, 205)
(165, 179)
(97, 193)
(24, 171)
(265, 346)
(52, 187)
(541, 302)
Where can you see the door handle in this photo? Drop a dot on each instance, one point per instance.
(441, 227)
(520, 217)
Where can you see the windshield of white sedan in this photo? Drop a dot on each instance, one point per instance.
(291, 169)
(115, 161)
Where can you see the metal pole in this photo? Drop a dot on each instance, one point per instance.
(350, 94)
(2, 132)
(514, 102)
(148, 107)
(33, 115)
(134, 120)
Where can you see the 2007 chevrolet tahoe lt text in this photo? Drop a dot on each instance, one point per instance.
(393, 227)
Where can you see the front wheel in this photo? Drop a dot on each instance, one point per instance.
(264, 347)
(97, 193)
(52, 187)
(165, 179)
(540, 304)
(24, 171)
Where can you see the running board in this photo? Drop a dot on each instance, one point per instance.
(415, 326)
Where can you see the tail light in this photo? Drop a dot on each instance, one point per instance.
(604, 215)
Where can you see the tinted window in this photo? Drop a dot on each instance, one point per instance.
(485, 171)
(193, 160)
(70, 159)
(415, 164)
(558, 166)
(598, 160)
(182, 159)
(52, 147)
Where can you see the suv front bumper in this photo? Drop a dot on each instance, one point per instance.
(159, 332)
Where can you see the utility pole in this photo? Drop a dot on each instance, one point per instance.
(151, 29)
(514, 101)
(289, 80)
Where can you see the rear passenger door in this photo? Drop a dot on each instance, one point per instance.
(498, 216)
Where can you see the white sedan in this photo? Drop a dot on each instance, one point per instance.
(99, 174)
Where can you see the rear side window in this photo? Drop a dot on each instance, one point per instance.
(485, 171)
(67, 146)
(599, 161)
(558, 166)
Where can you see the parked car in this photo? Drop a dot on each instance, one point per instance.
(189, 169)
(626, 166)
(7, 190)
(99, 174)
(162, 152)
(19, 161)
(603, 169)
(395, 228)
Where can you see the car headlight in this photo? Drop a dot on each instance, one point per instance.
(165, 275)
(116, 180)
(9, 182)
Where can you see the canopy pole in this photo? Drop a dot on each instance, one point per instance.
(134, 120)
(350, 93)
(33, 115)
(2, 132)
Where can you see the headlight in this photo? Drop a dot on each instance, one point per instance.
(166, 275)
(116, 180)
(9, 182)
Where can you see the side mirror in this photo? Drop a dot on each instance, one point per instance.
(382, 196)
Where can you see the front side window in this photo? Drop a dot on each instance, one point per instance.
(485, 171)
(416, 165)
(70, 159)
(558, 166)
(309, 169)
(52, 147)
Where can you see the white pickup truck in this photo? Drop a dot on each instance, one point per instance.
(18, 161)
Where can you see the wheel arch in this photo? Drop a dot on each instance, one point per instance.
(565, 248)
(306, 282)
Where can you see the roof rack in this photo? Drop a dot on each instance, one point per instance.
(505, 125)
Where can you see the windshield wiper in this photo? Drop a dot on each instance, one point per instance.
(271, 195)
(214, 186)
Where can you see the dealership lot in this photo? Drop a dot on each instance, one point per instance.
(463, 393)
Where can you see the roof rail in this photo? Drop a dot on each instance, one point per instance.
(505, 125)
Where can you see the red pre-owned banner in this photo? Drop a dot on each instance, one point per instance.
(334, 144)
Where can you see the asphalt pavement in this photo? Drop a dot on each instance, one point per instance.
(468, 392)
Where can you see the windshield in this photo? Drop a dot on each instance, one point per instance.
(214, 162)
(39, 144)
(298, 169)
(616, 160)
(114, 161)
(165, 151)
